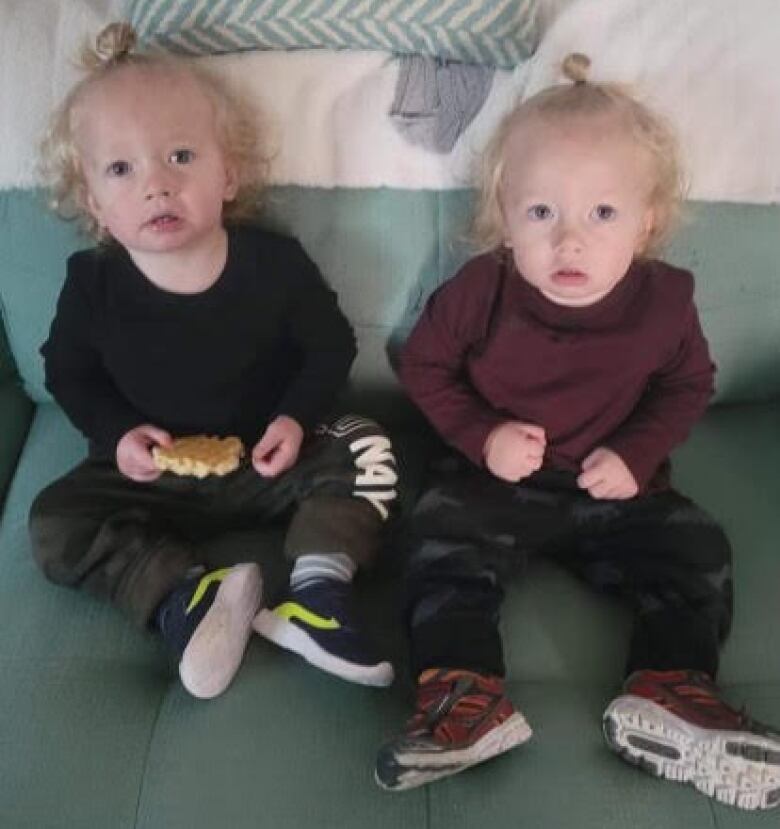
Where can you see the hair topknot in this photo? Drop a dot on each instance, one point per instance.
(113, 44)
(575, 67)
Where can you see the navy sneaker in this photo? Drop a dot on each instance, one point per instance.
(316, 622)
(206, 622)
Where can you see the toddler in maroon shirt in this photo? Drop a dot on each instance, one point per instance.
(563, 364)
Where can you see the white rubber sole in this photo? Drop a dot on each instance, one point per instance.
(737, 768)
(214, 653)
(292, 638)
(417, 768)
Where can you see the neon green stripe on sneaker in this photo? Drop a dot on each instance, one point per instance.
(293, 610)
(204, 584)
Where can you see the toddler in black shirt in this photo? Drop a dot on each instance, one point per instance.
(184, 322)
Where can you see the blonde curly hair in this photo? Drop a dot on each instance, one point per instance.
(114, 51)
(580, 97)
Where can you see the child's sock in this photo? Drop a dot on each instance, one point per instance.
(335, 566)
(206, 622)
(316, 620)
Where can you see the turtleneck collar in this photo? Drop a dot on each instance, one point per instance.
(605, 313)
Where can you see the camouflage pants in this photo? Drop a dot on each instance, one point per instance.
(130, 543)
(470, 532)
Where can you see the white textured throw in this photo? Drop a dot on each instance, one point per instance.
(712, 65)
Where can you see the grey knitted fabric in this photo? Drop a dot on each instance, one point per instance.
(435, 99)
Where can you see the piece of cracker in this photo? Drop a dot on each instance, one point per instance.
(199, 455)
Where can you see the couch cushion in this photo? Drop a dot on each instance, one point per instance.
(16, 413)
(97, 707)
(566, 777)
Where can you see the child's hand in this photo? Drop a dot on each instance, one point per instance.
(605, 475)
(277, 450)
(514, 450)
(134, 452)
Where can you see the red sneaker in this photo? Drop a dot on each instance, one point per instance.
(462, 718)
(675, 724)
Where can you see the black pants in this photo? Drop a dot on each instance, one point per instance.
(471, 531)
(130, 543)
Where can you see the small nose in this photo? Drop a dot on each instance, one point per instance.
(568, 237)
(159, 182)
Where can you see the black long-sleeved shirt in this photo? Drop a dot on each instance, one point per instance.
(631, 372)
(267, 338)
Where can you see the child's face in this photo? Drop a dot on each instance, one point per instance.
(156, 175)
(575, 203)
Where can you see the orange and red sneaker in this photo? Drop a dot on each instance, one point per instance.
(462, 718)
(675, 724)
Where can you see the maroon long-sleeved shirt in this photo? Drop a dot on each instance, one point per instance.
(631, 372)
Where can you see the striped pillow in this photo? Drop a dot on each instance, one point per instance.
(494, 32)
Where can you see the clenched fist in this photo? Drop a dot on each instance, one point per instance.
(514, 450)
(605, 475)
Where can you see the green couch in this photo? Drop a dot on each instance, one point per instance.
(97, 733)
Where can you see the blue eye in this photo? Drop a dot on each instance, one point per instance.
(604, 212)
(182, 156)
(118, 168)
(539, 212)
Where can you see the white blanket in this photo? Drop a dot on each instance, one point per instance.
(328, 124)
(325, 113)
(712, 65)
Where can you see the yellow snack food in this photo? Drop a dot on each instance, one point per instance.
(199, 455)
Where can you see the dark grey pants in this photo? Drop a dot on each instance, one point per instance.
(471, 531)
(129, 543)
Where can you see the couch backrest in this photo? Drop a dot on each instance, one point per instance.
(385, 250)
(15, 415)
(7, 365)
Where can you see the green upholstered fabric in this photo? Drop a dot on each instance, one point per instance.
(385, 250)
(96, 732)
(7, 366)
(103, 735)
(15, 414)
(565, 777)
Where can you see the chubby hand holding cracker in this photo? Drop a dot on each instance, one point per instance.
(134, 452)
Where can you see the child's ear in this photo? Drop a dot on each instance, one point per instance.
(649, 222)
(231, 181)
(92, 206)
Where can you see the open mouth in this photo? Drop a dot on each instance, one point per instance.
(569, 276)
(165, 221)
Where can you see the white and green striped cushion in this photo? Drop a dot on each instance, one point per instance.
(496, 32)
